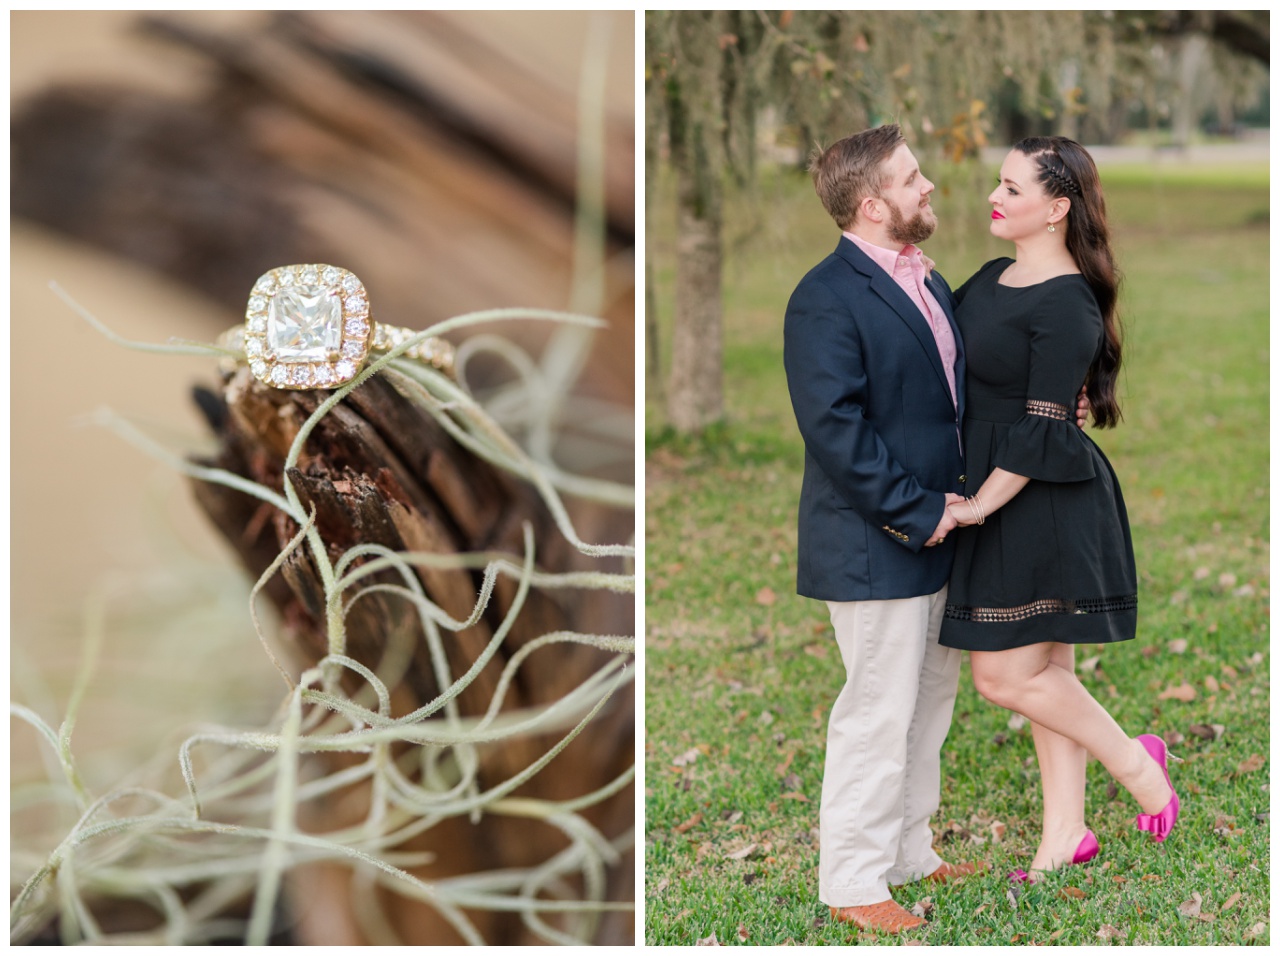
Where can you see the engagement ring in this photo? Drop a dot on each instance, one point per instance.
(310, 326)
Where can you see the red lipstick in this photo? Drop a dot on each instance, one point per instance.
(997, 214)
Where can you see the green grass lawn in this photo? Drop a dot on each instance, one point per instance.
(741, 673)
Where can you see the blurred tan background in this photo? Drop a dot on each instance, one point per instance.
(466, 127)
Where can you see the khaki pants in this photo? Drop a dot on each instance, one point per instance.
(882, 779)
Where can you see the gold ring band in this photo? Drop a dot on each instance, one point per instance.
(311, 326)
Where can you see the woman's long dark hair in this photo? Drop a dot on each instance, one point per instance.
(1067, 169)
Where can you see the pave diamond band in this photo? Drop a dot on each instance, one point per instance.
(310, 326)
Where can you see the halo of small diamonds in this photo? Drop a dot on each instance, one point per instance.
(307, 326)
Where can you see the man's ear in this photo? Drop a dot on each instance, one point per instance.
(871, 209)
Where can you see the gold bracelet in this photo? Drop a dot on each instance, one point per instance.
(976, 509)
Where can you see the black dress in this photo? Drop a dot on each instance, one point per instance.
(1056, 562)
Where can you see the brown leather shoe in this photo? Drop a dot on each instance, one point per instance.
(954, 871)
(886, 917)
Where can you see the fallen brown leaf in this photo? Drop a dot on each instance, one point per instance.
(1256, 930)
(665, 882)
(786, 764)
(1250, 764)
(742, 854)
(1211, 684)
(1203, 731)
(1232, 900)
(708, 940)
(742, 932)
(1191, 907)
(733, 816)
(1088, 665)
(1183, 692)
(1178, 646)
(688, 757)
(923, 907)
(1109, 932)
(766, 596)
(1074, 892)
(689, 824)
(998, 830)
(795, 796)
(791, 781)
(816, 650)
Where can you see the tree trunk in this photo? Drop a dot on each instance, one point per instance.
(695, 397)
(1187, 102)
(695, 390)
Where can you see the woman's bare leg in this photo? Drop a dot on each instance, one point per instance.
(1062, 778)
(1026, 680)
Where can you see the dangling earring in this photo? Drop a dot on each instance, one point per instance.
(1051, 229)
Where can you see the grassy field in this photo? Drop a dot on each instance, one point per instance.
(741, 673)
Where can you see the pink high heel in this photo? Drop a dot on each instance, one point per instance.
(1159, 824)
(1085, 852)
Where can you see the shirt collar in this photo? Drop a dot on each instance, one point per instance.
(887, 259)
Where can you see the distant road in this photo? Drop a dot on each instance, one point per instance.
(1251, 150)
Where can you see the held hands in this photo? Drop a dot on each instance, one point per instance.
(1082, 407)
(947, 523)
(961, 513)
(969, 511)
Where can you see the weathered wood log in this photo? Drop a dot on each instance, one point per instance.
(379, 470)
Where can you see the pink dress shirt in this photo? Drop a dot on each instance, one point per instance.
(906, 267)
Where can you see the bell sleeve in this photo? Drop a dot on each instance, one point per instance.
(1045, 444)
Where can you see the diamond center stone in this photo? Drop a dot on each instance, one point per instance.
(304, 323)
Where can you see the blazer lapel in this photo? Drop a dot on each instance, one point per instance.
(884, 286)
(944, 300)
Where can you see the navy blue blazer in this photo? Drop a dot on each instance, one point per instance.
(879, 427)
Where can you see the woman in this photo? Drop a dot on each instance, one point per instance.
(1048, 562)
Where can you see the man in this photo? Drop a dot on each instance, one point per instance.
(875, 368)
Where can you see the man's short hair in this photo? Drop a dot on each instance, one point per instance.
(852, 169)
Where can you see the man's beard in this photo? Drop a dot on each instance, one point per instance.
(911, 231)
